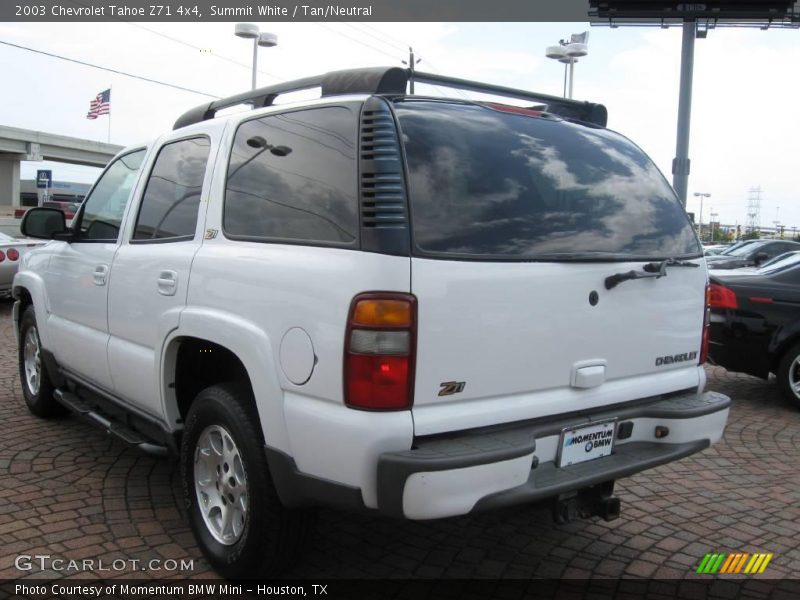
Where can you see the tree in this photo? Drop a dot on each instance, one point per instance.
(721, 236)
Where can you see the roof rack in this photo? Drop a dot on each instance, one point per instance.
(389, 81)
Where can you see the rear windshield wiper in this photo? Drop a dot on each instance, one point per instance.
(656, 269)
(658, 265)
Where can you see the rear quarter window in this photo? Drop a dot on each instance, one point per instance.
(486, 183)
(292, 177)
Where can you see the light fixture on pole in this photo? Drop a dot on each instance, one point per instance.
(569, 53)
(701, 195)
(265, 40)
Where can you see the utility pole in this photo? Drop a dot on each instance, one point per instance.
(412, 63)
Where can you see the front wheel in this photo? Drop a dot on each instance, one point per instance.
(240, 524)
(789, 374)
(37, 389)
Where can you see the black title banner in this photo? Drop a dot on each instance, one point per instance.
(643, 11)
(294, 10)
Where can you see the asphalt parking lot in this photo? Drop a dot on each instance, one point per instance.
(69, 491)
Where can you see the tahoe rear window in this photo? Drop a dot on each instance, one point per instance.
(494, 184)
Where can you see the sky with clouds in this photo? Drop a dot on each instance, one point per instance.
(745, 117)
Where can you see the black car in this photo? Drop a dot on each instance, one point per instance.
(749, 254)
(755, 323)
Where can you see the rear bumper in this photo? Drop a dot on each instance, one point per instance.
(458, 473)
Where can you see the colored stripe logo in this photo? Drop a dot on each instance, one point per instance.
(732, 563)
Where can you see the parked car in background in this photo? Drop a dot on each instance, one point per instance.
(738, 244)
(779, 262)
(11, 252)
(755, 323)
(755, 253)
(713, 249)
(68, 208)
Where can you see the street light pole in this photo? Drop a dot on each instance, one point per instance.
(266, 40)
(680, 165)
(701, 195)
(571, 74)
(255, 61)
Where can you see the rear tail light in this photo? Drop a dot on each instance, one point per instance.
(2, 256)
(12, 253)
(721, 297)
(379, 353)
(706, 326)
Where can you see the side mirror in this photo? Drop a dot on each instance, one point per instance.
(43, 223)
(761, 257)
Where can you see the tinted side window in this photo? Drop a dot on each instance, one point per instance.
(496, 184)
(172, 196)
(104, 208)
(784, 247)
(293, 177)
(790, 275)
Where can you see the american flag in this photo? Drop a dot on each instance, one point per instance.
(101, 105)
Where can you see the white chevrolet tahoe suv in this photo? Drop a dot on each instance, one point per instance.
(373, 300)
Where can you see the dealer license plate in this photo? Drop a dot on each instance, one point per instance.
(579, 444)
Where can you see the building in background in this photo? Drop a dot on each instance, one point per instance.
(60, 191)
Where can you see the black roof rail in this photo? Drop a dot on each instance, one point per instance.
(371, 80)
(393, 81)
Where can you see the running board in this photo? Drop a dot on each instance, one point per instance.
(82, 408)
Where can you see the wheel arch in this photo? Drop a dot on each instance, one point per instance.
(783, 339)
(29, 290)
(232, 346)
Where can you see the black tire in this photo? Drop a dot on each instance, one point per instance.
(271, 537)
(788, 371)
(39, 398)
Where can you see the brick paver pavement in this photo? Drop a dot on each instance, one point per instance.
(70, 491)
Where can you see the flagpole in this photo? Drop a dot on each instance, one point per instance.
(109, 114)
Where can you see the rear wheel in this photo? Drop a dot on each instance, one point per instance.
(789, 374)
(239, 522)
(37, 388)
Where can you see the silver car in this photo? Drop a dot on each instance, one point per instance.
(11, 252)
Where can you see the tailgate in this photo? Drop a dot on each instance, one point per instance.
(525, 340)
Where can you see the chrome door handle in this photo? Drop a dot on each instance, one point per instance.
(100, 274)
(167, 283)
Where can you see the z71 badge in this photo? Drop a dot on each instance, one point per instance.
(451, 387)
